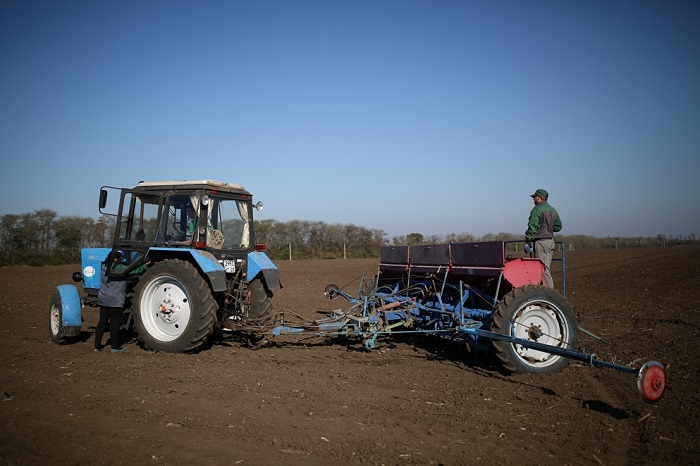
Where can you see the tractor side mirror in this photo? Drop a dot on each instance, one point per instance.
(259, 206)
(103, 198)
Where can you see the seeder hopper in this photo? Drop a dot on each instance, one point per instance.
(475, 294)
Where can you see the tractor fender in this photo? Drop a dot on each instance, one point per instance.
(212, 267)
(206, 262)
(259, 263)
(71, 307)
(523, 271)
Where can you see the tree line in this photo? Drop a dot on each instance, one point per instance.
(45, 238)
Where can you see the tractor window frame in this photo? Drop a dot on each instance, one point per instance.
(234, 223)
(132, 224)
(175, 226)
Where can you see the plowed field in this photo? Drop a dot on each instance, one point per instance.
(327, 401)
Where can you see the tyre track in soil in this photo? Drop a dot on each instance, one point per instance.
(602, 400)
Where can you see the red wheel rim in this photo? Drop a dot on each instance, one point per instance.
(651, 381)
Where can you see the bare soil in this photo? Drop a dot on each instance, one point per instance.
(321, 401)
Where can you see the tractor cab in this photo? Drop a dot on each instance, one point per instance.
(179, 215)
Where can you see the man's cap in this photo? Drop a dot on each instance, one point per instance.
(540, 192)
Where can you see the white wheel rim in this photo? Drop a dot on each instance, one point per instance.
(55, 319)
(543, 323)
(165, 308)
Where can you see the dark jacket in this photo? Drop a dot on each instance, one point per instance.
(112, 291)
(544, 222)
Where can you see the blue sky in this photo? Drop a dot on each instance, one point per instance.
(407, 116)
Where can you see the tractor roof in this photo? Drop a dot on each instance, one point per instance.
(193, 184)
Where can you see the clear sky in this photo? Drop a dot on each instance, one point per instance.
(408, 116)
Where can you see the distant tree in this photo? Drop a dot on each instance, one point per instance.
(661, 239)
(399, 240)
(68, 239)
(501, 237)
(8, 241)
(99, 233)
(44, 221)
(414, 238)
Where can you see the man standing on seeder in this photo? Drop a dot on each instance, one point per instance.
(544, 222)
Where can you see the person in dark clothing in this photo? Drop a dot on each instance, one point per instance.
(111, 299)
(544, 221)
(113, 317)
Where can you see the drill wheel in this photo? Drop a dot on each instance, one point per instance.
(651, 381)
(330, 291)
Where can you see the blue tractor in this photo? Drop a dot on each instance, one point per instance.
(204, 268)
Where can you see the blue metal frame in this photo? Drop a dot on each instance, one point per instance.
(395, 308)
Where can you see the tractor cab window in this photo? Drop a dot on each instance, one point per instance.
(181, 219)
(229, 224)
(139, 217)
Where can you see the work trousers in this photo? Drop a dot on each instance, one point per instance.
(544, 249)
(113, 315)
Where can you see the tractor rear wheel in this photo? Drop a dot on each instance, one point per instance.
(535, 313)
(173, 307)
(260, 310)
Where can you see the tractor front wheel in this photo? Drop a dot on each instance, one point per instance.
(534, 313)
(173, 307)
(56, 319)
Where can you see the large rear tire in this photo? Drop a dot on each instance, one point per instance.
(260, 310)
(173, 307)
(534, 313)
